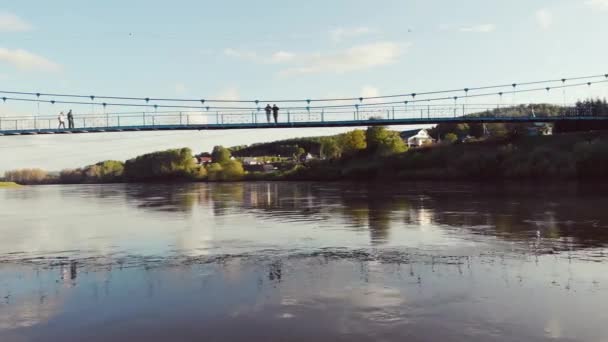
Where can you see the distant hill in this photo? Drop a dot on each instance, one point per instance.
(279, 148)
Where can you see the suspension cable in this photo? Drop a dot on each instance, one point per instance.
(308, 101)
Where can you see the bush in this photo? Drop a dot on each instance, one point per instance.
(214, 172)
(220, 154)
(450, 138)
(383, 142)
(232, 171)
(176, 164)
(26, 176)
(71, 176)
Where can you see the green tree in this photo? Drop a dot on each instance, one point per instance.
(353, 142)
(26, 176)
(165, 165)
(71, 176)
(220, 154)
(232, 170)
(214, 172)
(450, 138)
(106, 171)
(300, 152)
(383, 142)
(330, 148)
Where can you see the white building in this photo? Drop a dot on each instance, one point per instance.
(417, 138)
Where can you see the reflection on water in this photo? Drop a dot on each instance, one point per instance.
(303, 261)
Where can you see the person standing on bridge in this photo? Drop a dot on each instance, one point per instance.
(70, 119)
(275, 113)
(268, 109)
(61, 119)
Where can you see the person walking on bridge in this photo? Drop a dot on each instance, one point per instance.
(275, 113)
(61, 119)
(268, 109)
(70, 119)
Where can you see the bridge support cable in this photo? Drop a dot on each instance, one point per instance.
(307, 101)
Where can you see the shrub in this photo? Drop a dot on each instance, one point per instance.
(214, 171)
(232, 171)
(26, 176)
(176, 164)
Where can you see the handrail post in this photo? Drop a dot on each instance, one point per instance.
(180, 118)
(393, 113)
(144, 118)
(322, 115)
(35, 123)
(187, 120)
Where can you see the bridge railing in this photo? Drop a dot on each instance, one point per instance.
(259, 118)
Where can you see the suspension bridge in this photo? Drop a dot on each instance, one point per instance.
(466, 105)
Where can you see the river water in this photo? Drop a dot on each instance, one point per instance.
(304, 261)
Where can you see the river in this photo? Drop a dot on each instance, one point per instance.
(304, 261)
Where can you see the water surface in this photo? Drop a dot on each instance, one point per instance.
(303, 261)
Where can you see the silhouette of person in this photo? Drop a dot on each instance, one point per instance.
(268, 109)
(275, 113)
(70, 119)
(61, 119)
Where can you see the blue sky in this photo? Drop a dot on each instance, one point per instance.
(277, 49)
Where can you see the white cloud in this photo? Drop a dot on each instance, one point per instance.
(277, 57)
(485, 28)
(228, 94)
(369, 91)
(356, 58)
(282, 57)
(241, 54)
(601, 5)
(12, 23)
(341, 33)
(544, 17)
(25, 60)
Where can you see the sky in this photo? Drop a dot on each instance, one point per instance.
(276, 49)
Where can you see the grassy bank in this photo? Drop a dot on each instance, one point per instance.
(580, 156)
(373, 155)
(9, 185)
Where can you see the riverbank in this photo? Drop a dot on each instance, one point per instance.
(574, 156)
(9, 185)
(365, 156)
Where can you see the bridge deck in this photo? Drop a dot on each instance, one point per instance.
(300, 124)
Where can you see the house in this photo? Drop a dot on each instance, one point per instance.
(265, 168)
(250, 161)
(306, 157)
(417, 138)
(203, 160)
